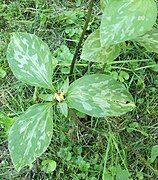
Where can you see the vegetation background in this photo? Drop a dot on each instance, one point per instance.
(80, 153)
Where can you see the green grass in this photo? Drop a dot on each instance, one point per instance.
(81, 153)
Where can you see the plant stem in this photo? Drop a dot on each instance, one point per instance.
(81, 38)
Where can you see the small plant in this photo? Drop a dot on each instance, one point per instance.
(48, 165)
(96, 95)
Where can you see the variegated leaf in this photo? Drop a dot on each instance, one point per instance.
(103, 3)
(149, 40)
(124, 20)
(30, 60)
(99, 95)
(30, 135)
(92, 50)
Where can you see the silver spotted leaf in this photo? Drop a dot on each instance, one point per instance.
(93, 51)
(99, 95)
(30, 60)
(104, 3)
(124, 20)
(30, 135)
(149, 40)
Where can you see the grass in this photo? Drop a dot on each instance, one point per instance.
(81, 153)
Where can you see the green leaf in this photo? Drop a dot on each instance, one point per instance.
(30, 60)
(64, 154)
(122, 174)
(65, 86)
(63, 55)
(54, 62)
(2, 73)
(123, 76)
(154, 153)
(152, 65)
(65, 70)
(92, 50)
(149, 41)
(103, 4)
(124, 20)
(99, 95)
(63, 108)
(108, 176)
(30, 135)
(46, 97)
(48, 165)
(5, 122)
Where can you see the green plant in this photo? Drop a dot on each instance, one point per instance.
(154, 154)
(2, 73)
(97, 95)
(5, 122)
(48, 165)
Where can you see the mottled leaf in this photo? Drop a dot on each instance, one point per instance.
(149, 41)
(99, 95)
(103, 3)
(30, 60)
(123, 20)
(30, 135)
(92, 50)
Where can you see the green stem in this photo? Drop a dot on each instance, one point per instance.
(106, 158)
(82, 37)
(128, 61)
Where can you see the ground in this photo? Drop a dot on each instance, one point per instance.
(108, 144)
